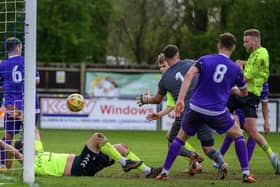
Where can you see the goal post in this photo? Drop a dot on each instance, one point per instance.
(29, 90)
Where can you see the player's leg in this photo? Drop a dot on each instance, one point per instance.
(173, 152)
(225, 123)
(99, 142)
(241, 150)
(12, 126)
(250, 112)
(184, 151)
(186, 129)
(251, 145)
(238, 116)
(206, 136)
(187, 150)
(150, 172)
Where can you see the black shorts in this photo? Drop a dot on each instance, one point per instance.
(205, 134)
(249, 104)
(89, 163)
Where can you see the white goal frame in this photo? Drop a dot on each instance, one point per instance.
(29, 90)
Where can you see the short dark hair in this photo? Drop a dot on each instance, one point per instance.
(170, 51)
(227, 40)
(12, 43)
(252, 32)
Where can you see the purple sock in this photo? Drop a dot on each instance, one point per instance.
(173, 152)
(251, 144)
(241, 150)
(3, 152)
(227, 142)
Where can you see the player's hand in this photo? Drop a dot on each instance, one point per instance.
(179, 108)
(143, 98)
(14, 112)
(266, 128)
(240, 63)
(152, 116)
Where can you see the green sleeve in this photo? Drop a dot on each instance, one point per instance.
(38, 146)
(170, 101)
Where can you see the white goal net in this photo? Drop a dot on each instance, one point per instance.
(18, 19)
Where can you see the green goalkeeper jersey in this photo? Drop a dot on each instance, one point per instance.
(257, 70)
(48, 163)
(170, 101)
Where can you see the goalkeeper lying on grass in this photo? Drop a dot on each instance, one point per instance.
(97, 154)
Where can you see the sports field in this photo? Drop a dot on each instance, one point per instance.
(151, 147)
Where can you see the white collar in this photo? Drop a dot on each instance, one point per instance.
(223, 55)
(13, 56)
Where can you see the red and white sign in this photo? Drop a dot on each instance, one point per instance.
(97, 114)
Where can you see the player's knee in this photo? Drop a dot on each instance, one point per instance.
(99, 137)
(122, 149)
(207, 143)
(252, 133)
(124, 145)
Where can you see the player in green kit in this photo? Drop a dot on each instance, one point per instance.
(256, 73)
(97, 154)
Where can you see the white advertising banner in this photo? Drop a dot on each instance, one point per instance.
(272, 110)
(97, 114)
(272, 117)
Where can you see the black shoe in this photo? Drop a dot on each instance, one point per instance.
(154, 172)
(131, 164)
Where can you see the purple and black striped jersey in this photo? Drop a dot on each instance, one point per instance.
(217, 75)
(12, 74)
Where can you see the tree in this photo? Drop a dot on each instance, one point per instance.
(262, 15)
(72, 31)
(141, 28)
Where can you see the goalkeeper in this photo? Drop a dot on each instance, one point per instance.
(97, 154)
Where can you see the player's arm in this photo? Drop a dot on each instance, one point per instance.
(241, 63)
(155, 116)
(243, 92)
(265, 117)
(15, 113)
(239, 91)
(170, 104)
(11, 149)
(148, 99)
(241, 85)
(194, 70)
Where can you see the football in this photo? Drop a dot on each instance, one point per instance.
(75, 102)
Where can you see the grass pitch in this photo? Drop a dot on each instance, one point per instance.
(151, 147)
